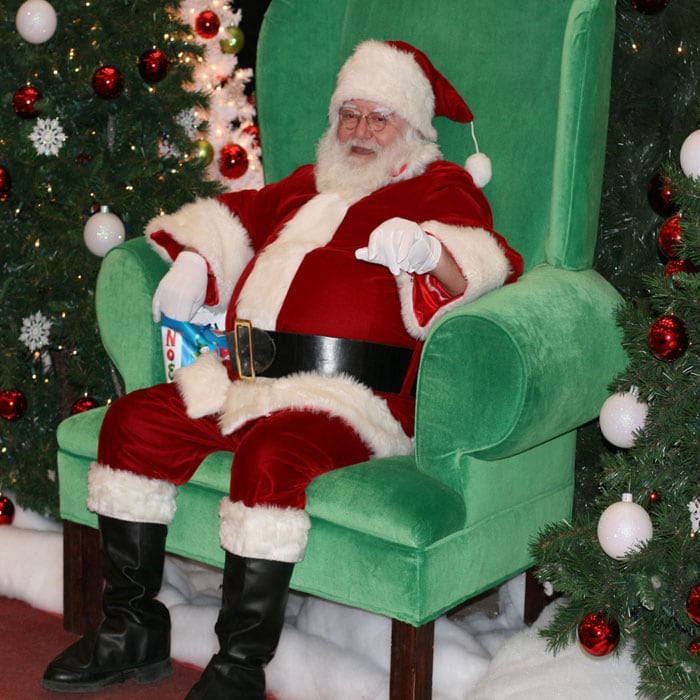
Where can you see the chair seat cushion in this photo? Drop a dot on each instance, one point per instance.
(389, 499)
(79, 433)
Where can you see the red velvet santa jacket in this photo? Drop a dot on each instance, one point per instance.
(283, 257)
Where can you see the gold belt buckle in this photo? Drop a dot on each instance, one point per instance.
(242, 325)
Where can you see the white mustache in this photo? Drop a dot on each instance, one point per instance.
(363, 143)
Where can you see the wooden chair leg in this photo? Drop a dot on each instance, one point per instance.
(535, 597)
(82, 578)
(411, 675)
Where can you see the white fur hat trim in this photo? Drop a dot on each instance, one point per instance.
(379, 72)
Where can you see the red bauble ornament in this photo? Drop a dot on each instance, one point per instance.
(24, 101)
(5, 183)
(207, 24)
(660, 195)
(233, 161)
(598, 635)
(253, 131)
(668, 338)
(84, 403)
(650, 7)
(692, 604)
(154, 65)
(694, 646)
(108, 82)
(654, 498)
(7, 510)
(670, 236)
(13, 405)
(673, 266)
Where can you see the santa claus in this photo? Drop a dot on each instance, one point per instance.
(330, 279)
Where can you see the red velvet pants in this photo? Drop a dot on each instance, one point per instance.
(149, 433)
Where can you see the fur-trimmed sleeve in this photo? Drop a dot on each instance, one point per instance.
(484, 259)
(212, 229)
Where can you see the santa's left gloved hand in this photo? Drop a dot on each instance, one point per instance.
(400, 244)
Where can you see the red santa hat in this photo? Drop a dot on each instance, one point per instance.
(399, 76)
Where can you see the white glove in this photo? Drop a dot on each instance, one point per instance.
(400, 244)
(181, 292)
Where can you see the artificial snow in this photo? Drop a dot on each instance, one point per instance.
(332, 652)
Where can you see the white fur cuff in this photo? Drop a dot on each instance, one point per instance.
(127, 496)
(208, 226)
(263, 532)
(483, 262)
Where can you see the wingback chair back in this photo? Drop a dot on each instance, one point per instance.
(535, 74)
(504, 382)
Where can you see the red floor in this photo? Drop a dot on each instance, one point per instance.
(29, 639)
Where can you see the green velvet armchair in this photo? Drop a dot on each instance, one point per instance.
(504, 382)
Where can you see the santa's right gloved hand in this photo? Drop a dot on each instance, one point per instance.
(182, 290)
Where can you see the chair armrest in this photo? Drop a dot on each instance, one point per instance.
(126, 282)
(518, 367)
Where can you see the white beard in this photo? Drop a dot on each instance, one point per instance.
(338, 172)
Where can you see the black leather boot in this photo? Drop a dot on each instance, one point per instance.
(254, 599)
(133, 640)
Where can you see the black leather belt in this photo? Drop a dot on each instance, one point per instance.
(256, 352)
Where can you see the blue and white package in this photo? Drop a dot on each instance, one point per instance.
(184, 342)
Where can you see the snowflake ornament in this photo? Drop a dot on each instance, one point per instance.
(694, 508)
(47, 137)
(35, 331)
(189, 121)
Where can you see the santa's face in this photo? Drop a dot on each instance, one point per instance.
(370, 129)
(353, 162)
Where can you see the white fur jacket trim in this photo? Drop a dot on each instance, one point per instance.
(208, 226)
(313, 226)
(343, 396)
(483, 262)
(127, 496)
(262, 531)
(203, 385)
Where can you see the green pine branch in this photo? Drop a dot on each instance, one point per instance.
(114, 154)
(654, 108)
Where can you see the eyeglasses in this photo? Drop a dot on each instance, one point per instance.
(376, 121)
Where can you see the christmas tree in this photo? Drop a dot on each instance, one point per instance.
(629, 562)
(94, 141)
(656, 71)
(656, 68)
(231, 148)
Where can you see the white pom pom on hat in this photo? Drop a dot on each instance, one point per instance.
(478, 165)
(398, 75)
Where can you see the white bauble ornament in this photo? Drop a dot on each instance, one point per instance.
(623, 526)
(621, 416)
(103, 231)
(36, 21)
(690, 155)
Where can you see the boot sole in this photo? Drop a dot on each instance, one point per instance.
(143, 674)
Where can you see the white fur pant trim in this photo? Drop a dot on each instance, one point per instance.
(127, 496)
(263, 532)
